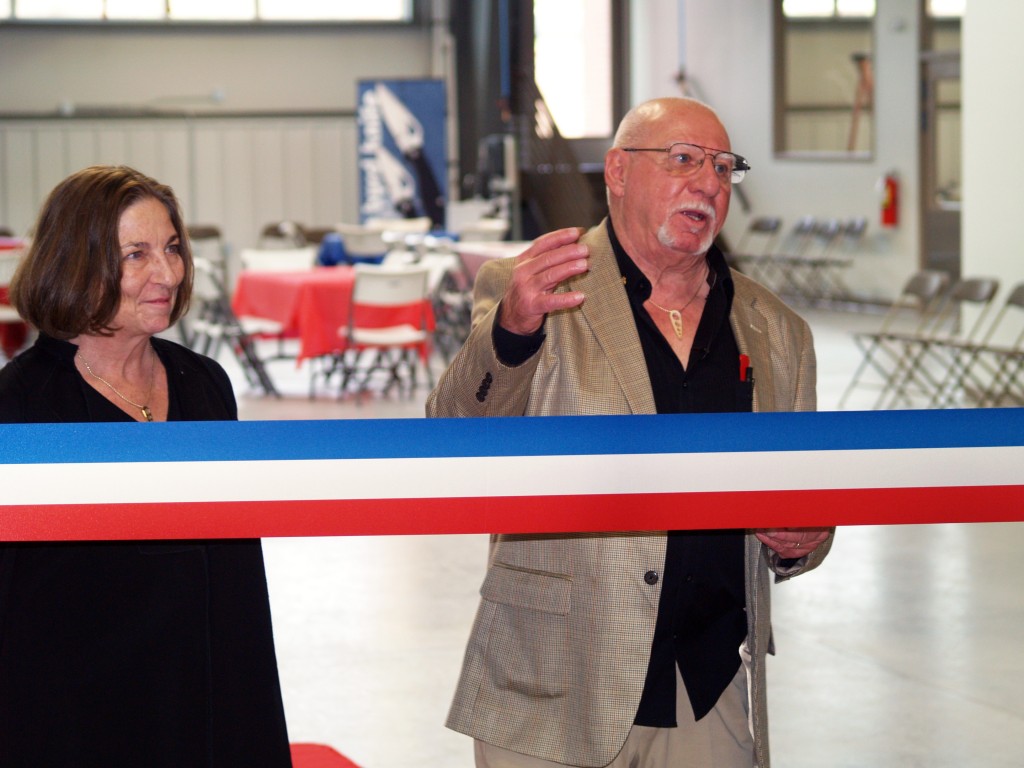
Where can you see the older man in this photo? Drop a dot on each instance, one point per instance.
(631, 649)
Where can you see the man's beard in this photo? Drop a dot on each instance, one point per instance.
(671, 240)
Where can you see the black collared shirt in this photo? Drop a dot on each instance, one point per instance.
(701, 616)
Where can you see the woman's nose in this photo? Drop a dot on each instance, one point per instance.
(166, 268)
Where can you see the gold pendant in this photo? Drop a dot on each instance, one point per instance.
(677, 322)
(146, 412)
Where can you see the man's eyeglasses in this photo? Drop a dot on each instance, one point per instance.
(687, 159)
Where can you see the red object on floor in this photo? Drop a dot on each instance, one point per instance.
(318, 756)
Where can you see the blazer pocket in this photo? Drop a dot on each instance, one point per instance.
(528, 649)
(527, 589)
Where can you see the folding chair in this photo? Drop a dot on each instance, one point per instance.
(924, 357)
(806, 271)
(782, 270)
(418, 225)
(278, 259)
(213, 322)
(755, 246)
(987, 372)
(450, 299)
(362, 244)
(484, 230)
(316, 235)
(208, 243)
(368, 348)
(282, 234)
(831, 284)
(879, 355)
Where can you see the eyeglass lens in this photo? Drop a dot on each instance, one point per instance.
(689, 158)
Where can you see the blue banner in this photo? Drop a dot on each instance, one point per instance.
(403, 156)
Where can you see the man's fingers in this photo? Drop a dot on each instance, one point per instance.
(550, 242)
(540, 269)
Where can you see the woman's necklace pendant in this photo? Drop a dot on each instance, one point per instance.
(146, 412)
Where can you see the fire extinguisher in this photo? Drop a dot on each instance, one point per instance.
(890, 199)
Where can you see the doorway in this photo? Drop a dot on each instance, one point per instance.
(941, 190)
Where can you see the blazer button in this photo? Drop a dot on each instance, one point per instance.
(651, 577)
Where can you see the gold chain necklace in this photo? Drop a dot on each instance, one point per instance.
(144, 408)
(676, 315)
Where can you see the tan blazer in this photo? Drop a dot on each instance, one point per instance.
(558, 653)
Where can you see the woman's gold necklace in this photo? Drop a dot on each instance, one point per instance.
(143, 408)
(676, 315)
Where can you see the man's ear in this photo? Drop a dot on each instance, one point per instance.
(615, 171)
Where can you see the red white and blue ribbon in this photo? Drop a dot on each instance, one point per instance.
(552, 474)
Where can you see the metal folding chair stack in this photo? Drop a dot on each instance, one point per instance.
(366, 348)
(912, 312)
(925, 357)
(987, 372)
(213, 323)
(1006, 389)
(780, 270)
(807, 263)
(753, 251)
(831, 267)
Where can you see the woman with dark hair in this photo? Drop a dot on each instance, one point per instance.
(126, 653)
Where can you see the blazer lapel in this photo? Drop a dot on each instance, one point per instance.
(611, 321)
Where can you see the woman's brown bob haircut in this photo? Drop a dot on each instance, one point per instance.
(69, 282)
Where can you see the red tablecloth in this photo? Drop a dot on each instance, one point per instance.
(313, 305)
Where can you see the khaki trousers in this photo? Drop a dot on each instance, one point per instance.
(721, 739)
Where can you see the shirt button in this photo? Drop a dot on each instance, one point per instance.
(651, 577)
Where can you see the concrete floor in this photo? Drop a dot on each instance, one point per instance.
(903, 649)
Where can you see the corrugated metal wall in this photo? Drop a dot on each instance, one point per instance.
(236, 173)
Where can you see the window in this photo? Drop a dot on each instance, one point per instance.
(947, 9)
(825, 77)
(942, 104)
(208, 10)
(573, 64)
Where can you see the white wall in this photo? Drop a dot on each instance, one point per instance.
(728, 55)
(238, 172)
(655, 40)
(277, 68)
(993, 166)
